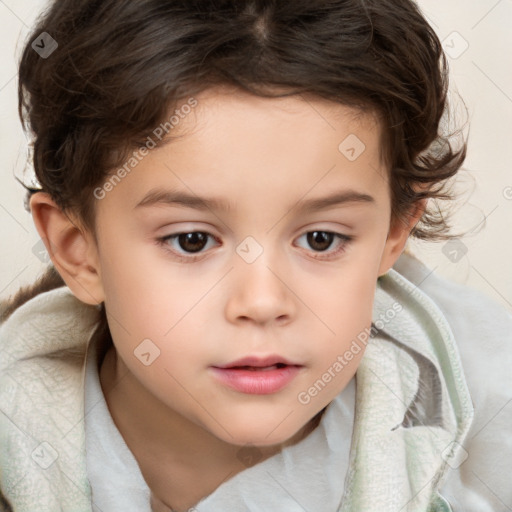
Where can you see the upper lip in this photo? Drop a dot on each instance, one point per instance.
(259, 362)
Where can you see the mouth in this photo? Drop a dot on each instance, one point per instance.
(258, 368)
(257, 376)
(271, 362)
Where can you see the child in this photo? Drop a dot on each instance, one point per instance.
(292, 357)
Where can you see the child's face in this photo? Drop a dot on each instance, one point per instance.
(257, 285)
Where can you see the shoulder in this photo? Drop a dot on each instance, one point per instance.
(479, 324)
(482, 329)
(42, 352)
(53, 322)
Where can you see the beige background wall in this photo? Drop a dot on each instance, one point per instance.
(477, 38)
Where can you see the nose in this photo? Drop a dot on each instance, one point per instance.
(260, 293)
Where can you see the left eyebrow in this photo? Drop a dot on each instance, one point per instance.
(177, 198)
(339, 198)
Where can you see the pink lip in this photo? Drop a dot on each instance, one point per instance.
(257, 381)
(259, 362)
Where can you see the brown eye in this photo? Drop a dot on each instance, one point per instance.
(192, 242)
(319, 243)
(186, 245)
(320, 240)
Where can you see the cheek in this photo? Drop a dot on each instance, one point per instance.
(345, 301)
(143, 291)
(158, 309)
(345, 309)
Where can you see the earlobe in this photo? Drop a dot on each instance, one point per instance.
(72, 250)
(397, 238)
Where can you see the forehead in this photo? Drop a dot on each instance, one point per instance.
(301, 125)
(233, 102)
(231, 140)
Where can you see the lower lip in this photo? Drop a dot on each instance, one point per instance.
(256, 382)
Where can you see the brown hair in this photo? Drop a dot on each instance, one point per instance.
(122, 65)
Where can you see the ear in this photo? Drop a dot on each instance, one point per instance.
(72, 250)
(398, 234)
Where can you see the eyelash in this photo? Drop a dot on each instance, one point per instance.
(163, 241)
